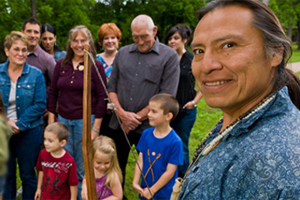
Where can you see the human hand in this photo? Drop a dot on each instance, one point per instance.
(94, 134)
(147, 194)
(37, 195)
(130, 121)
(189, 105)
(125, 129)
(13, 126)
(51, 118)
(84, 193)
(138, 188)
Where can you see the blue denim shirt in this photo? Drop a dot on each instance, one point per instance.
(59, 55)
(258, 159)
(30, 95)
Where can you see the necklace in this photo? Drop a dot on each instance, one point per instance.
(203, 150)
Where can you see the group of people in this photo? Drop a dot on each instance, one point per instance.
(239, 66)
(43, 84)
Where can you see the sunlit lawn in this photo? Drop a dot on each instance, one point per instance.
(296, 54)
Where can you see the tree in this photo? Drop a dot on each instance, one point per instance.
(33, 8)
(288, 13)
(266, 2)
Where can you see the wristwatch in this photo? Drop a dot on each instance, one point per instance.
(195, 105)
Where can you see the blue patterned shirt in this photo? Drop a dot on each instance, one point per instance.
(59, 55)
(258, 159)
(107, 68)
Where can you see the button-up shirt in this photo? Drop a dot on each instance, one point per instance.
(30, 95)
(258, 159)
(67, 89)
(43, 61)
(137, 76)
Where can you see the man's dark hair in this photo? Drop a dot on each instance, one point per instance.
(30, 20)
(59, 129)
(169, 103)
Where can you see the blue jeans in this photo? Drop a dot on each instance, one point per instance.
(74, 145)
(2, 184)
(183, 128)
(24, 148)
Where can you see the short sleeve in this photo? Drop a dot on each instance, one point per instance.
(141, 144)
(38, 166)
(176, 155)
(73, 179)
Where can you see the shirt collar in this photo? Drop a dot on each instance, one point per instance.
(155, 47)
(275, 107)
(4, 66)
(36, 52)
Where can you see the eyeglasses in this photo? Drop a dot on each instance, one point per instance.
(17, 50)
(79, 41)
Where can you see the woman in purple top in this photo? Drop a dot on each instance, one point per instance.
(66, 91)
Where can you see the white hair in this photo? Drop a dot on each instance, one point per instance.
(143, 19)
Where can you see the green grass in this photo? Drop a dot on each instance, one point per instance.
(296, 54)
(206, 118)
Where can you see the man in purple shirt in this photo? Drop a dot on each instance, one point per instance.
(36, 55)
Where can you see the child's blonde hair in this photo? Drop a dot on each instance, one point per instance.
(106, 145)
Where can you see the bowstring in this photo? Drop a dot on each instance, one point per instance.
(119, 120)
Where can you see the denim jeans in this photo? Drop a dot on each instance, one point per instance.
(74, 145)
(2, 183)
(183, 128)
(23, 147)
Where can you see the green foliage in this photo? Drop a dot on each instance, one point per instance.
(288, 12)
(65, 14)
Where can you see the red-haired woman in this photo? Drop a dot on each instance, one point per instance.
(109, 36)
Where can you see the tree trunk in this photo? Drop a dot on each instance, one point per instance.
(266, 2)
(33, 8)
(298, 39)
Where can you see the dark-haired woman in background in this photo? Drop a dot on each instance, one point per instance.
(48, 42)
(187, 96)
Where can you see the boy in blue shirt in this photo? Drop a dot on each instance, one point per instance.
(160, 149)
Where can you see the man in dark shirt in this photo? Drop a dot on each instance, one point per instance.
(140, 70)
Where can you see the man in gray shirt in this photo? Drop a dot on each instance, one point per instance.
(36, 55)
(140, 70)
